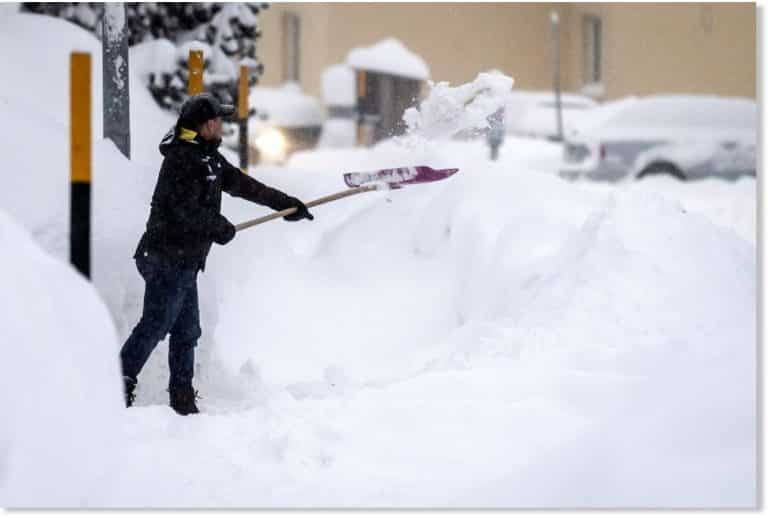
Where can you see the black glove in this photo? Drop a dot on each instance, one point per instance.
(224, 231)
(302, 211)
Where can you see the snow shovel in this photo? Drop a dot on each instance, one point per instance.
(383, 179)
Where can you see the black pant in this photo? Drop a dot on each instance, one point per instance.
(170, 306)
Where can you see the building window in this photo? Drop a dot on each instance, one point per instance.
(706, 18)
(291, 41)
(593, 49)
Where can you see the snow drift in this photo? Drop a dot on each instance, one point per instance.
(62, 391)
(499, 339)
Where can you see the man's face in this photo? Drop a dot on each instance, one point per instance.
(212, 129)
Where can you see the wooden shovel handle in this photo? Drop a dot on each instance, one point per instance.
(313, 203)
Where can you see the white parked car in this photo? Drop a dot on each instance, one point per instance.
(686, 136)
(533, 114)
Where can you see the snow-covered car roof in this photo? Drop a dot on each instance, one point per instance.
(546, 98)
(672, 115)
(532, 112)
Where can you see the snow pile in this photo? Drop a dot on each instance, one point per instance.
(219, 68)
(285, 106)
(523, 330)
(472, 342)
(730, 205)
(448, 110)
(338, 83)
(388, 56)
(39, 194)
(155, 57)
(9, 8)
(60, 371)
(340, 129)
(338, 133)
(680, 386)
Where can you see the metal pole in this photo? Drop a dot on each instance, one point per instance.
(115, 84)
(555, 22)
(242, 101)
(361, 103)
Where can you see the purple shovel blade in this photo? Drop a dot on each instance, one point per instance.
(399, 176)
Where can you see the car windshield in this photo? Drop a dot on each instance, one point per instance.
(711, 112)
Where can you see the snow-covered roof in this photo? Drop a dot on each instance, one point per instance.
(389, 56)
(339, 86)
(286, 105)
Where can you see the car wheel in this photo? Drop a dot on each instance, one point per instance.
(662, 168)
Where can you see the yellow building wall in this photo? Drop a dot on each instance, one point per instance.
(646, 48)
(456, 40)
(668, 48)
(314, 43)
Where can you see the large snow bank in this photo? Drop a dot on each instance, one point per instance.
(473, 342)
(61, 390)
(526, 319)
(9, 8)
(37, 196)
(728, 204)
(388, 56)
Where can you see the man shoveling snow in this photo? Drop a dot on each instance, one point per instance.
(184, 221)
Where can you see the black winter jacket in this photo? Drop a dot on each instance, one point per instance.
(185, 214)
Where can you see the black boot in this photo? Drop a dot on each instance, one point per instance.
(183, 400)
(129, 385)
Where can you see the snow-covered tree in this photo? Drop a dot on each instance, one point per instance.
(226, 32)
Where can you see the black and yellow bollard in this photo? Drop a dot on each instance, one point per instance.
(80, 162)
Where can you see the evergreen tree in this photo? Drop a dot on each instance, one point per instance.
(227, 31)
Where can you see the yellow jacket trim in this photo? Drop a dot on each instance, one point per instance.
(187, 134)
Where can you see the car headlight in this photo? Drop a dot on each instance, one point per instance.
(272, 145)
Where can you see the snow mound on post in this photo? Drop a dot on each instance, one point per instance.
(448, 110)
(198, 46)
(62, 393)
(389, 56)
(153, 57)
(284, 106)
(339, 86)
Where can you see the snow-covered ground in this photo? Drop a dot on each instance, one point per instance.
(499, 339)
